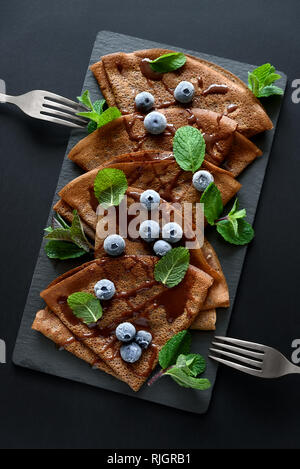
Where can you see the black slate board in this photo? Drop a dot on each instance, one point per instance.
(34, 351)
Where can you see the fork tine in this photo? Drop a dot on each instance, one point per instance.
(62, 99)
(242, 343)
(249, 361)
(237, 366)
(47, 103)
(54, 112)
(248, 353)
(60, 121)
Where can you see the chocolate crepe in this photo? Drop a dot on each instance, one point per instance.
(51, 326)
(144, 170)
(139, 298)
(224, 144)
(204, 258)
(122, 76)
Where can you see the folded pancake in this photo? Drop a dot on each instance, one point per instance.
(144, 170)
(127, 134)
(203, 257)
(205, 321)
(51, 327)
(122, 76)
(139, 299)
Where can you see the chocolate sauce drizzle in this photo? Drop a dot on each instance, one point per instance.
(151, 76)
(148, 72)
(215, 89)
(174, 304)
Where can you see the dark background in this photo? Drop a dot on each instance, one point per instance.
(47, 45)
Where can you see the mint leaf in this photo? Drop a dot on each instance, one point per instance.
(95, 112)
(168, 62)
(93, 115)
(234, 224)
(189, 148)
(91, 127)
(213, 205)
(235, 213)
(180, 343)
(57, 222)
(77, 234)
(85, 99)
(269, 91)
(60, 222)
(242, 235)
(172, 267)
(63, 250)
(107, 116)
(101, 119)
(99, 105)
(271, 78)
(59, 234)
(260, 81)
(183, 379)
(67, 242)
(85, 306)
(193, 364)
(262, 72)
(110, 186)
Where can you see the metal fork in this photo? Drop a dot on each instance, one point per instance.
(263, 361)
(49, 107)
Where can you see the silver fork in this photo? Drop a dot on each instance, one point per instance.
(49, 107)
(263, 361)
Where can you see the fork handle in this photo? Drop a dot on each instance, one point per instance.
(293, 369)
(6, 98)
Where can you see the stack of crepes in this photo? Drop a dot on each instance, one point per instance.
(226, 112)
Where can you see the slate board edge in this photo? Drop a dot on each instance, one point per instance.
(103, 38)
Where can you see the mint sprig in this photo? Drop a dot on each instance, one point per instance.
(182, 366)
(110, 186)
(66, 242)
(85, 306)
(97, 115)
(171, 268)
(261, 79)
(189, 148)
(168, 62)
(233, 227)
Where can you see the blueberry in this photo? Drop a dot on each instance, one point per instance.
(104, 289)
(202, 179)
(130, 353)
(150, 199)
(161, 247)
(155, 122)
(143, 338)
(172, 232)
(125, 331)
(149, 230)
(184, 92)
(144, 101)
(114, 245)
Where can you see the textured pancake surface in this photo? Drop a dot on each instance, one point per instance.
(144, 170)
(139, 299)
(120, 78)
(224, 145)
(51, 327)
